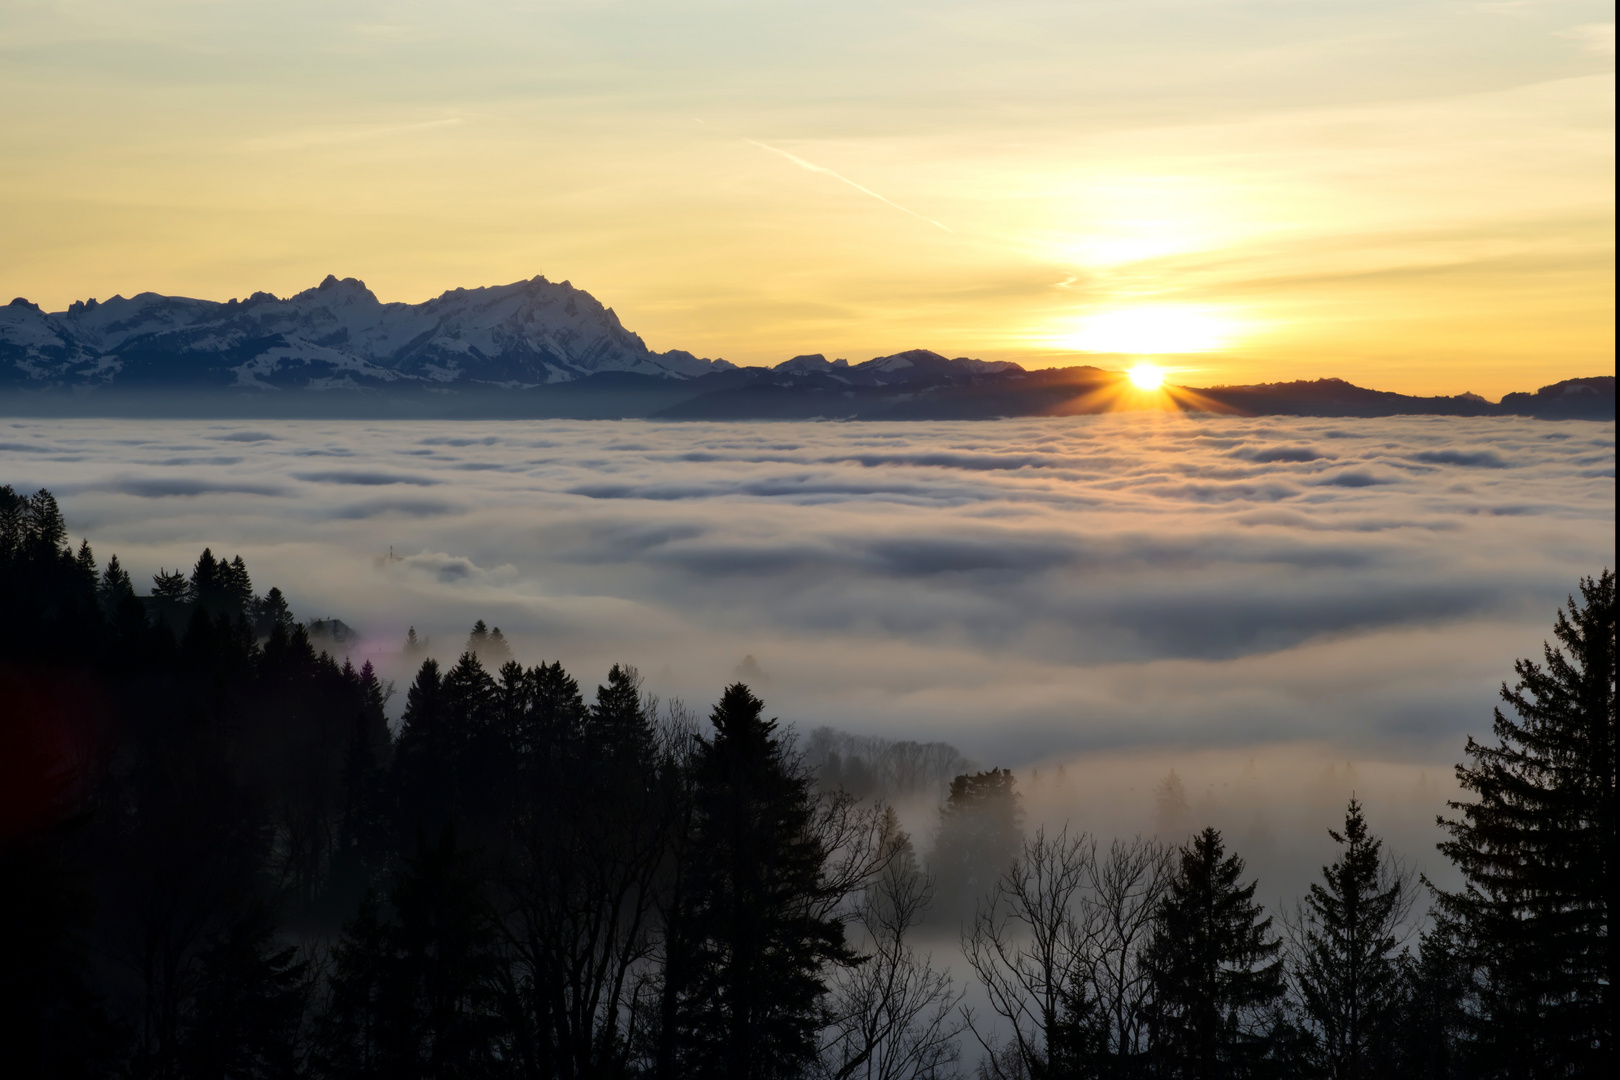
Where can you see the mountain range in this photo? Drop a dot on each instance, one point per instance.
(542, 349)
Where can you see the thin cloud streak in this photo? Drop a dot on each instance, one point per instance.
(810, 166)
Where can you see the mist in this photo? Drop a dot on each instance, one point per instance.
(1281, 610)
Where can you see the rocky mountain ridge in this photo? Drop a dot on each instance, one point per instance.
(335, 336)
(541, 349)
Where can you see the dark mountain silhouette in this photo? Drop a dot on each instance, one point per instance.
(540, 349)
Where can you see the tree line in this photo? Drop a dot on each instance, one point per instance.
(218, 859)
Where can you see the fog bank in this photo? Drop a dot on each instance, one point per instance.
(1035, 590)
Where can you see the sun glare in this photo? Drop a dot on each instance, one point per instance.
(1151, 330)
(1147, 376)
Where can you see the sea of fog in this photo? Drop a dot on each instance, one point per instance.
(1283, 611)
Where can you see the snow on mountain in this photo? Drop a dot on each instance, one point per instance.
(336, 335)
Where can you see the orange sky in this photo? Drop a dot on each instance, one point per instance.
(1412, 195)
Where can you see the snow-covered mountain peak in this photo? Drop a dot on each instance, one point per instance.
(334, 290)
(525, 333)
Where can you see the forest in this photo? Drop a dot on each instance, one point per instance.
(219, 859)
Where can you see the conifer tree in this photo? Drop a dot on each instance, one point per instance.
(249, 1001)
(1215, 969)
(235, 585)
(981, 831)
(114, 587)
(1433, 1016)
(479, 756)
(588, 830)
(412, 997)
(1537, 847)
(170, 598)
(270, 612)
(353, 1035)
(206, 580)
(44, 531)
(497, 651)
(423, 774)
(444, 966)
(752, 999)
(85, 562)
(361, 833)
(1345, 967)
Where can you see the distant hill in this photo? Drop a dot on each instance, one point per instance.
(541, 349)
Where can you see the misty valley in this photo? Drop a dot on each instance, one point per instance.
(226, 860)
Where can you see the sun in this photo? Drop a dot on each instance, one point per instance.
(1147, 376)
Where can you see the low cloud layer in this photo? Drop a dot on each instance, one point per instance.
(1045, 590)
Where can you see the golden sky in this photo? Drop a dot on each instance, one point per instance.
(1412, 195)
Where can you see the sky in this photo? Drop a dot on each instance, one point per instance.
(1410, 194)
(1284, 610)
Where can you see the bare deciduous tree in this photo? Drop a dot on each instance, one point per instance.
(1029, 945)
(895, 1014)
(1125, 892)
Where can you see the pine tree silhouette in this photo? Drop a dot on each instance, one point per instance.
(1215, 969)
(755, 978)
(1538, 848)
(1346, 969)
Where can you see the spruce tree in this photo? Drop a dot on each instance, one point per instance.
(1537, 847)
(753, 982)
(114, 587)
(412, 997)
(1215, 969)
(170, 599)
(250, 993)
(236, 585)
(354, 1033)
(422, 777)
(497, 651)
(270, 612)
(1345, 967)
(207, 581)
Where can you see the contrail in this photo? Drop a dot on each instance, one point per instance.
(812, 167)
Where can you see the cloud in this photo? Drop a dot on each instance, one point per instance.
(1281, 610)
(1026, 589)
(163, 487)
(1355, 478)
(1479, 459)
(383, 507)
(248, 436)
(1297, 454)
(365, 479)
(812, 167)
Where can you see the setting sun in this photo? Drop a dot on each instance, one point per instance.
(1147, 376)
